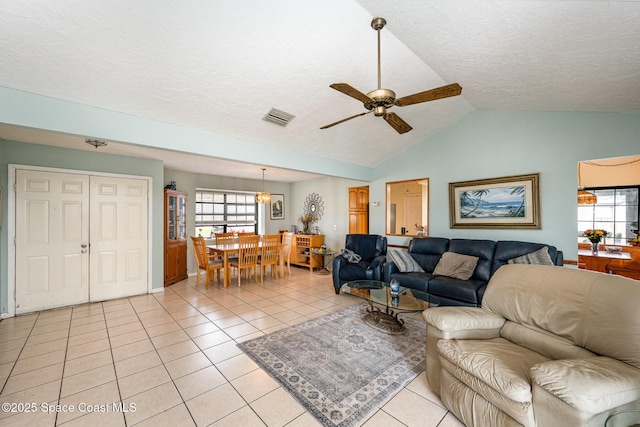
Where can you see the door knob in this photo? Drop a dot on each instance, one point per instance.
(84, 245)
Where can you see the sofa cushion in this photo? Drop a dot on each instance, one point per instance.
(354, 271)
(498, 369)
(365, 245)
(572, 380)
(461, 290)
(541, 257)
(509, 249)
(413, 280)
(456, 265)
(483, 249)
(404, 261)
(427, 251)
(583, 307)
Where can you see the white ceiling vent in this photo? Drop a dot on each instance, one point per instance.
(278, 117)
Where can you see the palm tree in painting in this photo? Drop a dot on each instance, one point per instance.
(520, 211)
(470, 201)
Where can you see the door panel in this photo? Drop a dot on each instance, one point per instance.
(52, 211)
(119, 238)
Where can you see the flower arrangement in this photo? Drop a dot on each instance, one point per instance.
(596, 235)
(307, 220)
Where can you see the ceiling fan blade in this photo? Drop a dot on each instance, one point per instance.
(397, 123)
(351, 91)
(453, 89)
(344, 120)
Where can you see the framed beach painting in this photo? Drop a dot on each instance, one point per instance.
(506, 202)
(277, 206)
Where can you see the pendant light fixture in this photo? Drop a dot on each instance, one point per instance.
(585, 197)
(263, 197)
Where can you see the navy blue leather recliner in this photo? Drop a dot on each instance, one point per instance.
(372, 250)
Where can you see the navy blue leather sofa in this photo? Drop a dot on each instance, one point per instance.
(450, 291)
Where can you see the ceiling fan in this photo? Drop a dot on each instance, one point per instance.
(380, 100)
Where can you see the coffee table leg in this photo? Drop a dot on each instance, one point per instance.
(386, 321)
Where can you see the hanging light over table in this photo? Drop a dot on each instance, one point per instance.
(585, 197)
(263, 197)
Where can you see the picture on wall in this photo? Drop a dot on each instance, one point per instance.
(506, 202)
(277, 206)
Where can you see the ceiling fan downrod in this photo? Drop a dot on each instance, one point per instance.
(378, 24)
(383, 98)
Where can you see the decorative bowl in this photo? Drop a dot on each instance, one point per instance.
(614, 249)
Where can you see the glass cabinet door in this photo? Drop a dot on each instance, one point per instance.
(182, 218)
(171, 217)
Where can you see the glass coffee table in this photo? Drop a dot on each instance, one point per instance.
(385, 306)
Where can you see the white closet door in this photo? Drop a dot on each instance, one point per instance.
(119, 237)
(52, 236)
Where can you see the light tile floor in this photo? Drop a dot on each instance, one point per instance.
(170, 359)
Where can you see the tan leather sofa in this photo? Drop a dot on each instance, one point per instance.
(551, 346)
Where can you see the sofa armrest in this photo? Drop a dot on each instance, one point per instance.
(455, 323)
(389, 267)
(338, 262)
(376, 266)
(593, 385)
(464, 319)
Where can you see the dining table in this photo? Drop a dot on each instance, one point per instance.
(227, 251)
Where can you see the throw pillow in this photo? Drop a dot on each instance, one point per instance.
(404, 261)
(541, 256)
(351, 256)
(456, 265)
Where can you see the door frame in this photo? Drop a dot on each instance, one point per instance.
(11, 224)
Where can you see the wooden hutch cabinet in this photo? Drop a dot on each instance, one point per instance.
(301, 246)
(175, 236)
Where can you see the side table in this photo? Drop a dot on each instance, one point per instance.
(323, 254)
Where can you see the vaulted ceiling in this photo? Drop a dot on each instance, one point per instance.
(220, 66)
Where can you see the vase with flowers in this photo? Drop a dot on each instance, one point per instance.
(595, 236)
(307, 220)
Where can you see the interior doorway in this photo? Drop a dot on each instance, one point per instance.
(608, 215)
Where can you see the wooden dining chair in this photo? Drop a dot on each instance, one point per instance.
(285, 251)
(224, 238)
(269, 255)
(247, 256)
(206, 262)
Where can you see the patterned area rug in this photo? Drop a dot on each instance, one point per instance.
(339, 368)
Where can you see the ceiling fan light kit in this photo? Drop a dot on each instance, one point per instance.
(380, 100)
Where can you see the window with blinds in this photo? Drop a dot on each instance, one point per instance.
(221, 211)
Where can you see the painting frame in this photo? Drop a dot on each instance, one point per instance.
(510, 202)
(276, 208)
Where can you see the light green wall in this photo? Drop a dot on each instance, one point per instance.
(488, 144)
(46, 156)
(484, 144)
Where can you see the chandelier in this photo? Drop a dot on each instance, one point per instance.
(263, 197)
(585, 197)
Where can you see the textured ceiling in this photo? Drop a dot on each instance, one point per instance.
(221, 65)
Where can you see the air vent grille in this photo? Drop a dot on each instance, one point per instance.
(278, 117)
